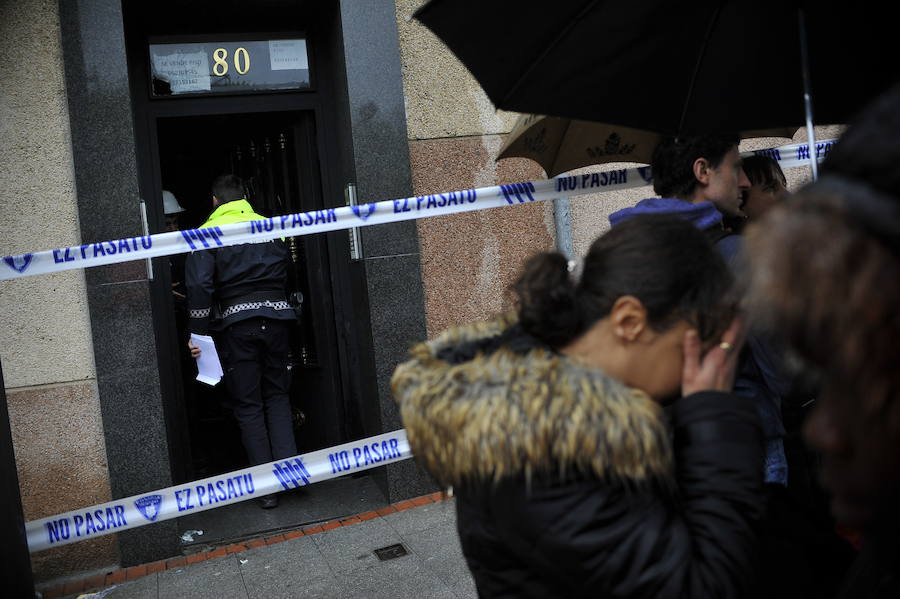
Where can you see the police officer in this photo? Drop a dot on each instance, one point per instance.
(239, 291)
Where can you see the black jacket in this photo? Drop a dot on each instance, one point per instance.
(876, 572)
(229, 284)
(570, 484)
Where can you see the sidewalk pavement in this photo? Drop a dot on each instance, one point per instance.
(332, 560)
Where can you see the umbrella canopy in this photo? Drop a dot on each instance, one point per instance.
(703, 66)
(559, 144)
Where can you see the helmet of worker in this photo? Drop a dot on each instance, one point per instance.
(170, 204)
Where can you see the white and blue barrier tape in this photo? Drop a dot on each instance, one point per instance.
(348, 217)
(216, 491)
(306, 223)
(796, 155)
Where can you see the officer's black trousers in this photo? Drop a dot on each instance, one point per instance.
(255, 362)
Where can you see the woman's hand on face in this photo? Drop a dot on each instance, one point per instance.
(714, 370)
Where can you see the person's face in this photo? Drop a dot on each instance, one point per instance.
(724, 185)
(759, 198)
(860, 456)
(624, 346)
(657, 362)
(172, 222)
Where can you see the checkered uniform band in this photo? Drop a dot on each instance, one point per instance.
(279, 305)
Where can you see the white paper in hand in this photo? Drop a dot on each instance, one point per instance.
(209, 369)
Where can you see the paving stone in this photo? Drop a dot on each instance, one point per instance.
(294, 568)
(404, 577)
(423, 517)
(211, 579)
(267, 569)
(350, 548)
(146, 587)
(439, 551)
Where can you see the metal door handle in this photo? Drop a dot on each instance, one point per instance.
(146, 227)
(356, 252)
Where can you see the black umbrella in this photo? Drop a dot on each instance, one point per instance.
(670, 67)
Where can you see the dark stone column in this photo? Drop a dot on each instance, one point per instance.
(15, 561)
(103, 145)
(381, 160)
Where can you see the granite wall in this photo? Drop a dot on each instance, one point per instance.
(124, 339)
(45, 335)
(468, 260)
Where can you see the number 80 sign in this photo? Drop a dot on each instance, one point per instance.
(241, 60)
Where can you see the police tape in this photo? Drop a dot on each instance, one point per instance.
(217, 491)
(333, 219)
(317, 221)
(795, 155)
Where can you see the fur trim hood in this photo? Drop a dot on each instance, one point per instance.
(510, 414)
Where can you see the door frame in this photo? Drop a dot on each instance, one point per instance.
(352, 339)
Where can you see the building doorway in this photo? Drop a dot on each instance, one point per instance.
(287, 144)
(274, 153)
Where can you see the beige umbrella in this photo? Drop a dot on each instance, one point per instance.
(560, 144)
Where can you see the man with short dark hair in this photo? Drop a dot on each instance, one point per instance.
(240, 291)
(699, 178)
(703, 168)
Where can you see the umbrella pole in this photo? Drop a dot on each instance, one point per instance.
(807, 95)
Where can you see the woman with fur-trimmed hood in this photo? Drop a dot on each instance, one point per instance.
(570, 480)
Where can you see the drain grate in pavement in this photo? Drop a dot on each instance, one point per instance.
(391, 552)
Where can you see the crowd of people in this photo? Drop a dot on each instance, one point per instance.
(655, 419)
(706, 405)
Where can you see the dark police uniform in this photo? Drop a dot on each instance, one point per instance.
(239, 291)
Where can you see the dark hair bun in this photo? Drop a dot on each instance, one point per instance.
(547, 299)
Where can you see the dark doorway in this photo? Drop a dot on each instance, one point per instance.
(298, 161)
(275, 154)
